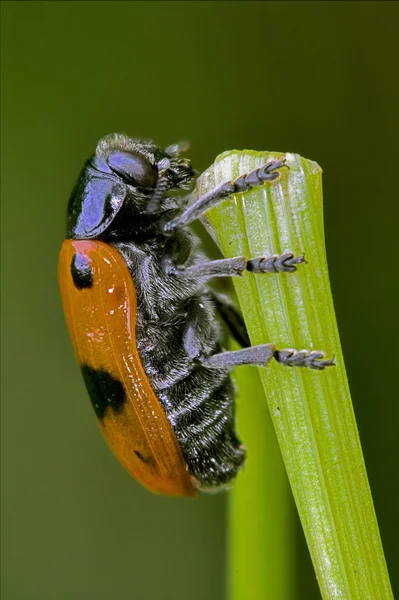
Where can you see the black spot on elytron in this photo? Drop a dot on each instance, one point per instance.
(81, 271)
(106, 392)
(148, 460)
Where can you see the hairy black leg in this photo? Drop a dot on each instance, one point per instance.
(232, 317)
(244, 183)
(229, 267)
(261, 356)
(303, 358)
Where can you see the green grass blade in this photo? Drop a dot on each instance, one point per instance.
(261, 545)
(311, 411)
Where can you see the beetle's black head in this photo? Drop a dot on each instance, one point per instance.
(120, 189)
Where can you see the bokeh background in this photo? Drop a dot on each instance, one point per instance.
(317, 78)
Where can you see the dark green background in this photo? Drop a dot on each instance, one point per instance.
(316, 78)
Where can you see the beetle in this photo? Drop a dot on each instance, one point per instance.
(142, 316)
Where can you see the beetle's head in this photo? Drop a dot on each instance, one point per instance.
(128, 179)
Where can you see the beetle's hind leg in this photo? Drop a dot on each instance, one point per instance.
(257, 355)
(231, 316)
(262, 355)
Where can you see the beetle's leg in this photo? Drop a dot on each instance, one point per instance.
(283, 263)
(229, 267)
(254, 355)
(242, 184)
(262, 355)
(303, 358)
(198, 334)
(225, 267)
(231, 316)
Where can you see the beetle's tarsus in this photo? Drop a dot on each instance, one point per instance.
(283, 263)
(290, 357)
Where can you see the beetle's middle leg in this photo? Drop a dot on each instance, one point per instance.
(229, 267)
(251, 355)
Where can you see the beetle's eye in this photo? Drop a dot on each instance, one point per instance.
(133, 168)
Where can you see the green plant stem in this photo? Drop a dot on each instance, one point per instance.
(311, 410)
(261, 548)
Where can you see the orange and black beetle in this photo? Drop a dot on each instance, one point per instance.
(142, 317)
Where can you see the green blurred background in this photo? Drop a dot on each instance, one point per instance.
(317, 78)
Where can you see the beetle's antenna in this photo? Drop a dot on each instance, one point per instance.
(160, 189)
(162, 186)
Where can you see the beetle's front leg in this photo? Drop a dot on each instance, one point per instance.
(268, 172)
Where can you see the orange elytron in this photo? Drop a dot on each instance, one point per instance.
(102, 320)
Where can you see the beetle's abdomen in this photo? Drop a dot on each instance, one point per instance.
(202, 416)
(198, 402)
